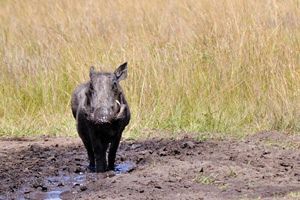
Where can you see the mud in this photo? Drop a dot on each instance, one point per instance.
(55, 168)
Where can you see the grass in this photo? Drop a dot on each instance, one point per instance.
(226, 66)
(293, 145)
(294, 195)
(204, 180)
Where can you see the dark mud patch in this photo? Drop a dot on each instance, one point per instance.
(55, 168)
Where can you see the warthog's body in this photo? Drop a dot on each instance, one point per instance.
(101, 112)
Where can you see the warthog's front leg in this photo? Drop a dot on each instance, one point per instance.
(100, 147)
(113, 150)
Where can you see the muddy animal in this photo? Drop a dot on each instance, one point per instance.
(101, 112)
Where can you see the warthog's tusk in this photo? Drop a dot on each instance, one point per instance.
(118, 103)
(121, 112)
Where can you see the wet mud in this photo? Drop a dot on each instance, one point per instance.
(259, 166)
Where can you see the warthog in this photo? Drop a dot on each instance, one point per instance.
(101, 112)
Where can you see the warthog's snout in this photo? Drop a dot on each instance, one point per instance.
(104, 115)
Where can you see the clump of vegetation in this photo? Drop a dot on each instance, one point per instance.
(218, 66)
(205, 180)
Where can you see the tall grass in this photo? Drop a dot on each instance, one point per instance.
(226, 66)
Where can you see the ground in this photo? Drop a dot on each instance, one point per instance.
(262, 166)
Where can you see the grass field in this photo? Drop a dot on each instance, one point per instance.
(226, 66)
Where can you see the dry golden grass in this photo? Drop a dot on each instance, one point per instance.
(195, 65)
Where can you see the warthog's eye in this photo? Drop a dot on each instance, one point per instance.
(114, 86)
(91, 89)
(88, 101)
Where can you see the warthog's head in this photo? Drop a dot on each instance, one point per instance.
(104, 98)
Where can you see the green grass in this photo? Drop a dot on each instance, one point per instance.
(204, 180)
(230, 66)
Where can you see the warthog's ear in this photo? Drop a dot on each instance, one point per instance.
(121, 72)
(92, 71)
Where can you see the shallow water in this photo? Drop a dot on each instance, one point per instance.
(124, 167)
(53, 195)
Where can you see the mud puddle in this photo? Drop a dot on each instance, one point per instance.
(54, 188)
(55, 168)
(125, 167)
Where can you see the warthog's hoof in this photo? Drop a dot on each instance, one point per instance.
(92, 168)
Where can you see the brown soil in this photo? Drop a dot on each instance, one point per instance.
(55, 168)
